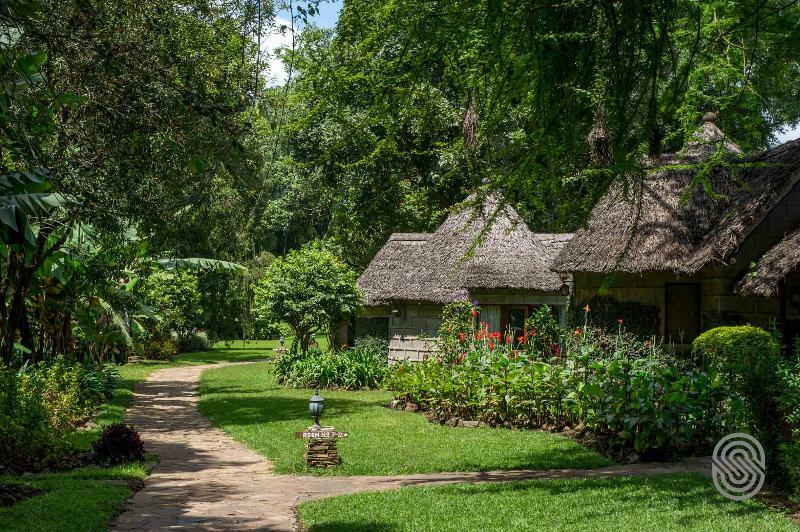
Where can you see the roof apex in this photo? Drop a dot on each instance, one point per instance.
(707, 138)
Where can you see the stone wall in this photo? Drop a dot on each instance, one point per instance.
(412, 331)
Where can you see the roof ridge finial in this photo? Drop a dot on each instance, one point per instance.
(710, 117)
(469, 123)
(599, 140)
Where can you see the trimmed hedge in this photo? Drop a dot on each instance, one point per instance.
(748, 357)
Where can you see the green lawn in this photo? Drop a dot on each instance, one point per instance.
(249, 405)
(674, 502)
(88, 499)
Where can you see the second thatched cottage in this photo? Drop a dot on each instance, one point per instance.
(484, 252)
(698, 259)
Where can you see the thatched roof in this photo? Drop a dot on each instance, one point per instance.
(485, 245)
(772, 268)
(656, 223)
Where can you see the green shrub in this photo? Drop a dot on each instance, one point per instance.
(748, 358)
(640, 320)
(118, 444)
(97, 385)
(364, 366)
(458, 324)
(176, 299)
(311, 290)
(160, 347)
(789, 466)
(194, 342)
(39, 406)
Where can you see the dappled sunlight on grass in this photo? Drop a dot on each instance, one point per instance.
(253, 408)
(88, 498)
(669, 502)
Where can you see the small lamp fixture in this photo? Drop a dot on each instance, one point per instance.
(315, 407)
(396, 312)
(282, 340)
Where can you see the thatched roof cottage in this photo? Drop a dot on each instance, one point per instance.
(483, 252)
(661, 239)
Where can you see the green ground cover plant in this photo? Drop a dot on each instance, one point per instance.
(249, 404)
(365, 365)
(669, 502)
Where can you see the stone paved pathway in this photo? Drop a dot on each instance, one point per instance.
(205, 480)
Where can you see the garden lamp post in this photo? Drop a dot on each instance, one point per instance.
(282, 340)
(315, 407)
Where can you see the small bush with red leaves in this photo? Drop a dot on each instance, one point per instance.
(118, 444)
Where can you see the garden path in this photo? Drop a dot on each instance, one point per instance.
(205, 480)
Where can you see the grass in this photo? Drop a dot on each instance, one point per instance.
(85, 499)
(88, 499)
(669, 502)
(249, 405)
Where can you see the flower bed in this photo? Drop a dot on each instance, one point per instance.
(619, 391)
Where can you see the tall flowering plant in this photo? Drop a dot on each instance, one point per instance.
(458, 328)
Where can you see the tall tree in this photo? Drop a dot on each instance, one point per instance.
(385, 100)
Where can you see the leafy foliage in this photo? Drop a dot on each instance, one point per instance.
(377, 111)
(118, 444)
(363, 366)
(39, 406)
(627, 401)
(748, 357)
(309, 289)
(176, 300)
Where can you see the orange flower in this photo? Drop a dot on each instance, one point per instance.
(586, 309)
(577, 331)
(491, 346)
(521, 339)
(619, 320)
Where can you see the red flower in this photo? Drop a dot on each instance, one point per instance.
(619, 320)
(509, 338)
(495, 336)
(462, 337)
(491, 345)
(474, 313)
(521, 339)
(556, 349)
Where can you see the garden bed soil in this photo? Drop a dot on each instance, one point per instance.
(11, 494)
